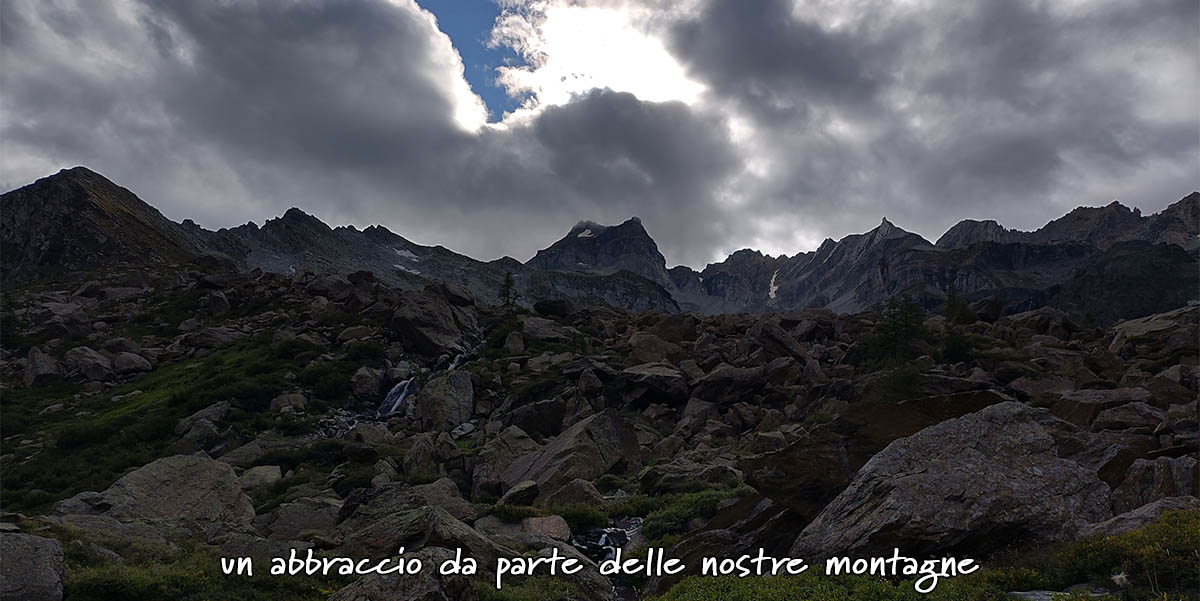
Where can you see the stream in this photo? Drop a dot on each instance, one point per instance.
(600, 544)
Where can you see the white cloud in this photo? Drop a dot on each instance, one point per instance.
(570, 49)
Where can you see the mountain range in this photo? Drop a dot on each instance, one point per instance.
(1106, 262)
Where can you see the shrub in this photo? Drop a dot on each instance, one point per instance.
(580, 516)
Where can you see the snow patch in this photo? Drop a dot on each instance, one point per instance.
(407, 254)
(774, 287)
(407, 270)
(585, 234)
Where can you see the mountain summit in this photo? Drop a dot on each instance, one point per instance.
(1110, 262)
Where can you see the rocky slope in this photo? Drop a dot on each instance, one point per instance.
(1097, 263)
(345, 415)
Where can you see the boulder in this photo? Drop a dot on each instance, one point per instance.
(1131, 416)
(649, 383)
(429, 324)
(648, 348)
(261, 475)
(446, 401)
(367, 505)
(368, 384)
(426, 585)
(540, 329)
(31, 568)
(1136, 518)
(805, 475)
(1081, 407)
(128, 363)
(575, 492)
(727, 384)
(292, 520)
(90, 363)
(415, 529)
(42, 369)
(494, 458)
(589, 449)
(190, 490)
(1003, 475)
(521, 493)
(1148, 480)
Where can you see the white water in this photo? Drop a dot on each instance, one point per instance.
(395, 398)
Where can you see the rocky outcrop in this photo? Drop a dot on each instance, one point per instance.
(1004, 475)
(195, 492)
(586, 450)
(446, 401)
(31, 568)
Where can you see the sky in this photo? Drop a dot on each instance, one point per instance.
(492, 127)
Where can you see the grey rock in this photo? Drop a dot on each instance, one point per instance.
(128, 363)
(521, 493)
(89, 363)
(31, 568)
(42, 369)
(961, 483)
(1146, 514)
(193, 491)
(587, 450)
(446, 401)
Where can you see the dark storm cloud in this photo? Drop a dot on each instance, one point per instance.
(225, 112)
(843, 113)
(1011, 110)
(772, 62)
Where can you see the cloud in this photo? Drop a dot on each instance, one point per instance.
(931, 112)
(768, 124)
(355, 111)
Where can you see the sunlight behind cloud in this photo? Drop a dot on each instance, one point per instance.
(571, 49)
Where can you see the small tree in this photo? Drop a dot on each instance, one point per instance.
(957, 310)
(508, 290)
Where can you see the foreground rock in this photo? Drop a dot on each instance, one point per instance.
(1009, 474)
(587, 450)
(195, 492)
(31, 568)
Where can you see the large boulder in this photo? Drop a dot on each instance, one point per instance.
(649, 383)
(42, 369)
(587, 450)
(1146, 514)
(1008, 474)
(90, 363)
(31, 568)
(446, 401)
(494, 458)
(307, 515)
(1148, 480)
(426, 585)
(193, 491)
(727, 384)
(430, 324)
(1081, 407)
(415, 529)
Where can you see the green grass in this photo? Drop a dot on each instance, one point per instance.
(91, 451)
(1162, 561)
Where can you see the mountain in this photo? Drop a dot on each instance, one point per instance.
(1109, 262)
(599, 249)
(1101, 227)
(78, 220)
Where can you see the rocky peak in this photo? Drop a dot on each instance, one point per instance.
(970, 231)
(77, 220)
(590, 247)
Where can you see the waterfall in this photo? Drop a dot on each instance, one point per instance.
(395, 398)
